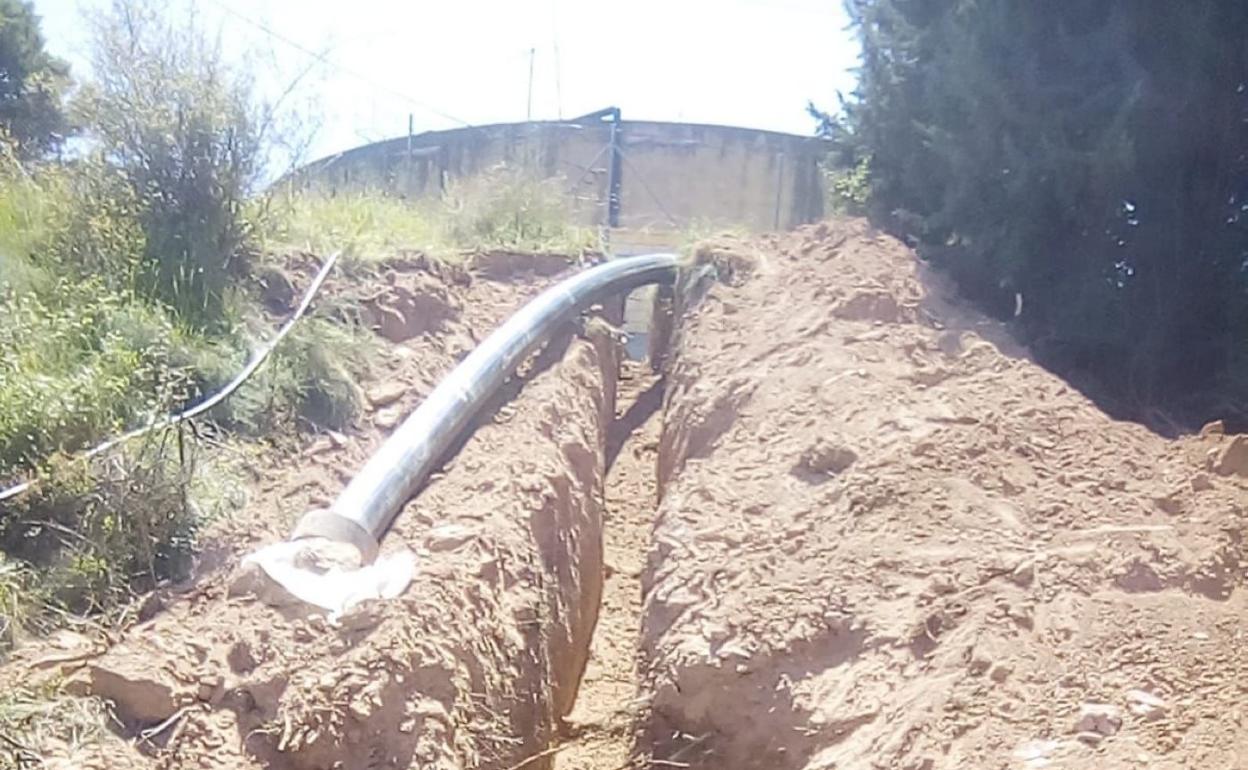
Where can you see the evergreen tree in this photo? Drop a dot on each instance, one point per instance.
(1088, 158)
(31, 83)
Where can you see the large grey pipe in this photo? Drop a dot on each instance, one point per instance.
(366, 508)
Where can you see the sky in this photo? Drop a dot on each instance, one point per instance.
(363, 67)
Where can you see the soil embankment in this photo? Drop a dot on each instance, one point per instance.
(888, 539)
(852, 526)
(475, 665)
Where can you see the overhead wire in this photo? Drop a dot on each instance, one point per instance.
(324, 59)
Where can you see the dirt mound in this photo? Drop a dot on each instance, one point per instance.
(510, 265)
(888, 539)
(472, 667)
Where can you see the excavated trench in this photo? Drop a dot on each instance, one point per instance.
(851, 524)
(480, 662)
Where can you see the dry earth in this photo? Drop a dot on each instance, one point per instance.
(475, 664)
(888, 539)
(853, 526)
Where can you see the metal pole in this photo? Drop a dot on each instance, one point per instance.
(528, 114)
(613, 172)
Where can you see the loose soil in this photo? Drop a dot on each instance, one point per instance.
(852, 526)
(888, 539)
(599, 730)
(475, 664)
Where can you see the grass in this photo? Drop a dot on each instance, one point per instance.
(501, 209)
(34, 722)
(88, 354)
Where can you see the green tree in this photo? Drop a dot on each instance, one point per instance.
(1087, 159)
(32, 83)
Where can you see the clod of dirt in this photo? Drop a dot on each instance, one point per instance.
(867, 305)
(1215, 428)
(413, 304)
(385, 393)
(1099, 718)
(1144, 704)
(826, 458)
(388, 418)
(1232, 459)
(140, 693)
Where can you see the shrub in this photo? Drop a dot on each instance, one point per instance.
(311, 377)
(79, 364)
(183, 133)
(119, 303)
(96, 532)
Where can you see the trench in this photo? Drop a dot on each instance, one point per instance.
(598, 734)
(600, 731)
(518, 649)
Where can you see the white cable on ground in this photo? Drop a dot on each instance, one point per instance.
(257, 359)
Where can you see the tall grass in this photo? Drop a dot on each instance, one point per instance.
(502, 208)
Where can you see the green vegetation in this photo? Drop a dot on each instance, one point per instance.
(179, 146)
(503, 208)
(845, 169)
(124, 295)
(1086, 158)
(31, 83)
(130, 286)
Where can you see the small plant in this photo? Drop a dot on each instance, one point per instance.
(98, 532)
(847, 190)
(311, 378)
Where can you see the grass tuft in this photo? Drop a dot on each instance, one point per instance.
(503, 208)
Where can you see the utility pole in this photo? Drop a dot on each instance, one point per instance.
(528, 114)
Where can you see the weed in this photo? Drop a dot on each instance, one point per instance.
(96, 532)
(36, 721)
(311, 377)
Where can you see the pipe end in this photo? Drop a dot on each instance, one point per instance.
(338, 528)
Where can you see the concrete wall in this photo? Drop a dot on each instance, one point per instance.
(672, 174)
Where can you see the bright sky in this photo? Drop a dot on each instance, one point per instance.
(737, 62)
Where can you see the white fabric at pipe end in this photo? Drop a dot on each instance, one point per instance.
(326, 574)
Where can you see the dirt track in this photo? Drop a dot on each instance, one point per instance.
(885, 539)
